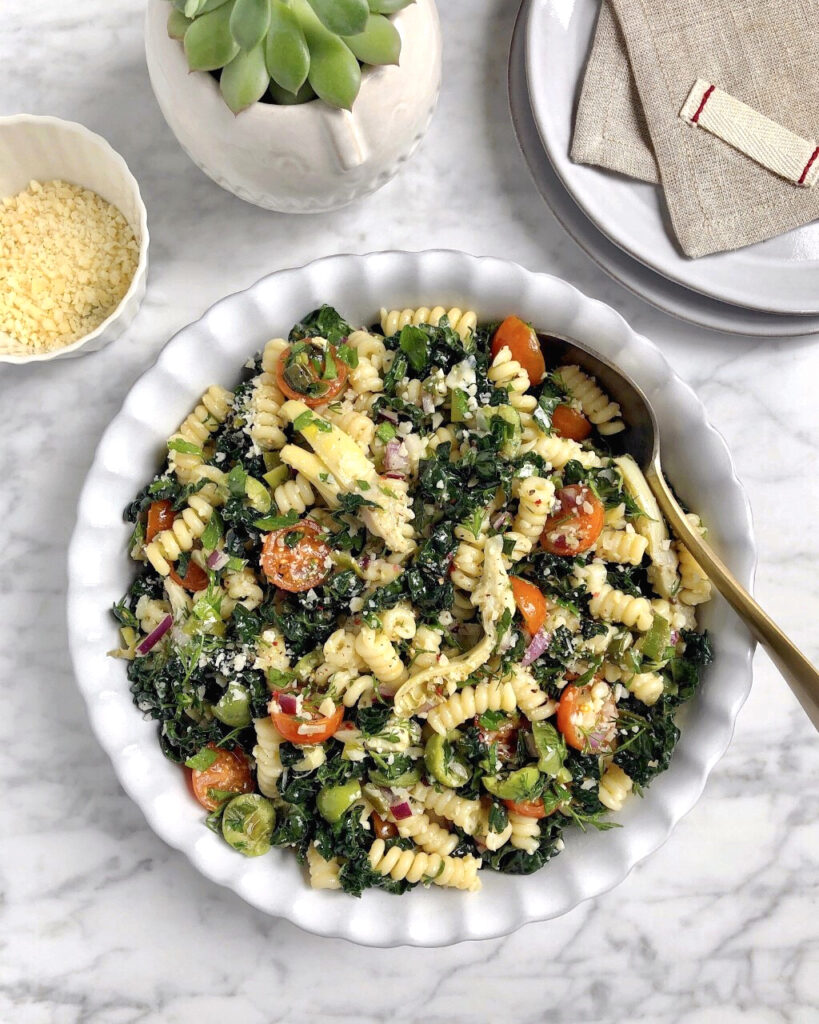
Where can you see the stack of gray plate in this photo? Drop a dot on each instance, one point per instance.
(767, 290)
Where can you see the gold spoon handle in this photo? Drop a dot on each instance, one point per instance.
(797, 671)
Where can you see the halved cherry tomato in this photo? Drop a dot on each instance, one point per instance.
(383, 829)
(528, 808)
(576, 523)
(531, 603)
(568, 422)
(195, 577)
(505, 737)
(587, 717)
(301, 373)
(160, 517)
(523, 343)
(295, 558)
(321, 729)
(229, 773)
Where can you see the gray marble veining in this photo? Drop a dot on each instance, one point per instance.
(100, 923)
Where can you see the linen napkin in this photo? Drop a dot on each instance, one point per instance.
(718, 101)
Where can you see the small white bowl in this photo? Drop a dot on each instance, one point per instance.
(213, 350)
(48, 148)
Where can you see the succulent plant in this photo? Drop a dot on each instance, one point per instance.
(286, 51)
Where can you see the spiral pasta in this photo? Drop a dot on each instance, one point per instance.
(187, 528)
(597, 406)
(357, 688)
(151, 612)
(529, 697)
(324, 874)
(525, 833)
(490, 839)
(294, 495)
(380, 656)
(623, 546)
(506, 372)
(470, 701)
(464, 813)
(678, 616)
(426, 647)
(535, 496)
(271, 651)
(340, 650)
(242, 588)
(456, 872)
(557, 451)
(269, 765)
(427, 834)
(467, 564)
(613, 605)
(358, 425)
(399, 622)
(212, 410)
(368, 346)
(646, 686)
(365, 377)
(615, 786)
(463, 323)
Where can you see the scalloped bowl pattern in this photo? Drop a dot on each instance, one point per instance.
(213, 349)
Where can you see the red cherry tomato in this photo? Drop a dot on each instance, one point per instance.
(531, 603)
(195, 577)
(301, 373)
(528, 808)
(160, 517)
(587, 719)
(569, 423)
(321, 729)
(523, 343)
(229, 773)
(295, 558)
(576, 523)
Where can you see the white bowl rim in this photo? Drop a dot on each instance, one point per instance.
(339, 927)
(118, 160)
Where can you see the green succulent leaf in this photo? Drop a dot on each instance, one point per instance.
(334, 74)
(388, 6)
(249, 22)
(177, 24)
(290, 99)
(245, 80)
(208, 42)
(193, 8)
(379, 43)
(344, 17)
(286, 52)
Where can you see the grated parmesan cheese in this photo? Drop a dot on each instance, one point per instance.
(67, 258)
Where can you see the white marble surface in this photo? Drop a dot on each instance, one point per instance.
(99, 921)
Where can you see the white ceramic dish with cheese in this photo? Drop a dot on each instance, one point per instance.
(37, 148)
(213, 350)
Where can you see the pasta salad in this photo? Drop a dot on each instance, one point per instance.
(402, 608)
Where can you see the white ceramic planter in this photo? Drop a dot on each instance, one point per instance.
(309, 158)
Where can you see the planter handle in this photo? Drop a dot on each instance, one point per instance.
(348, 142)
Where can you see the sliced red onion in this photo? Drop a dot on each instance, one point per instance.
(217, 560)
(288, 703)
(395, 476)
(395, 460)
(501, 520)
(427, 403)
(674, 637)
(540, 641)
(401, 811)
(153, 638)
(388, 414)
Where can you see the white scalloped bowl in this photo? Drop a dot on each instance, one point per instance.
(43, 148)
(213, 350)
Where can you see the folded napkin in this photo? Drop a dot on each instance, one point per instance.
(719, 102)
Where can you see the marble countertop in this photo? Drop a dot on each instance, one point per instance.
(99, 921)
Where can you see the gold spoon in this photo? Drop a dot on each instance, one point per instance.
(641, 440)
